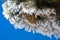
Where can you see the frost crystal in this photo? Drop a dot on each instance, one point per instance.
(26, 15)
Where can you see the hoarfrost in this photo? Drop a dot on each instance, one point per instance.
(13, 12)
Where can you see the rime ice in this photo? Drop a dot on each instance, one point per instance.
(25, 15)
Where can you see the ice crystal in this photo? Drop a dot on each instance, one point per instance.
(26, 15)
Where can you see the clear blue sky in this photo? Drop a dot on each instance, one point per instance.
(7, 31)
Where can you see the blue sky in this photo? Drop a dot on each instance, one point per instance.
(8, 32)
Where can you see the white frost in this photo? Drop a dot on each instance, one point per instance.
(11, 11)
